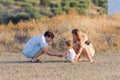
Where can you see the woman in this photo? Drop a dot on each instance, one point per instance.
(86, 49)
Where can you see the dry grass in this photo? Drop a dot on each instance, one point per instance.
(102, 30)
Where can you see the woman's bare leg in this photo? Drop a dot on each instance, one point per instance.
(87, 54)
(77, 48)
(79, 59)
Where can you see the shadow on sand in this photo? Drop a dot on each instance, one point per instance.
(29, 62)
(14, 62)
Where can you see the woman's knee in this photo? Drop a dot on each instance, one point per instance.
(84, 52)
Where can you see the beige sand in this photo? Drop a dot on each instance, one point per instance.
(16, 67)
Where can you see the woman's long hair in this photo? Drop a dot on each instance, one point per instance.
(78, 34)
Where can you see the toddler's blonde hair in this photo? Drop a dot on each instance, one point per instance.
(69, 43)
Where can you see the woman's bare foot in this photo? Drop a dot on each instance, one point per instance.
(91, 61)
(80, 60)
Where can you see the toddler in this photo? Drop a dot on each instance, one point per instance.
(70, 53)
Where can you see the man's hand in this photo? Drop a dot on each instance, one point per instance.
(60, 55)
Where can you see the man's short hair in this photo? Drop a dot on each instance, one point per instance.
(49, 34)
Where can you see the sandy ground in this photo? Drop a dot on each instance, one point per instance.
(14, 66)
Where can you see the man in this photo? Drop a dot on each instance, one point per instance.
(38, 45)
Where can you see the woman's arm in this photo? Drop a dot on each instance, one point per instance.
(77, 56)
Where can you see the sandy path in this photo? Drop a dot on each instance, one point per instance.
(17, 67)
